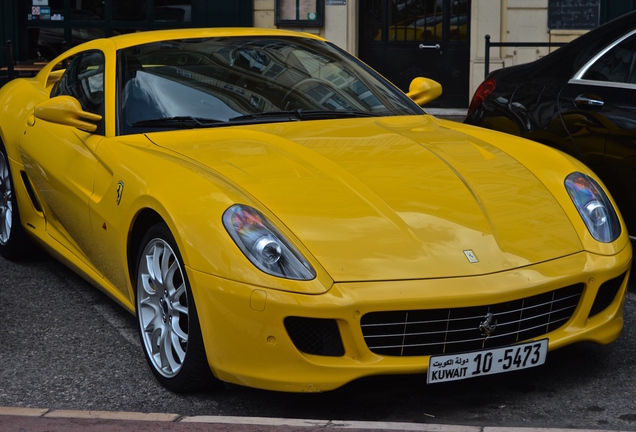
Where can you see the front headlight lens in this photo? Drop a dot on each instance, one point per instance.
(263, 245)
(594, 207)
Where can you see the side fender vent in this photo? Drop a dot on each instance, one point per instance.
(30, 191)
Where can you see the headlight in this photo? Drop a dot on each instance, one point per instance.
(263, 245)
(594, 207)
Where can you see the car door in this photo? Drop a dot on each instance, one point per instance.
(598, 108)
(60, 159)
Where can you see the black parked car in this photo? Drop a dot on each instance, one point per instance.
(580, 99)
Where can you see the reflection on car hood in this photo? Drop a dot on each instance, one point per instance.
(389, 198)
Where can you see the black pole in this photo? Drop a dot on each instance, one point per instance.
(9, 59)
(487, 65)
(513, 44)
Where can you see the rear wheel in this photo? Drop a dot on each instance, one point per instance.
(167, 316)
(13, 241)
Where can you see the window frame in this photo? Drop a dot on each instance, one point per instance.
(72, 72)
(578, 76)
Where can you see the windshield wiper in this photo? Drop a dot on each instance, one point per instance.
(188, 122)
(178, 122)
(290, 115)
(334, 114)
(299, 114)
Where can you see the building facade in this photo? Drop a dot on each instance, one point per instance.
(402, 39)
(446, 39)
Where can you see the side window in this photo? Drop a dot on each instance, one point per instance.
(84, 80)
(616, 65)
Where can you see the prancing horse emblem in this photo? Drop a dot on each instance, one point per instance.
(487, 326)
(120, 191)
(471, 256)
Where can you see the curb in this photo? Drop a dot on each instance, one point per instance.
(272, 424)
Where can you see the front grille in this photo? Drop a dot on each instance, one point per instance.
(448, 331)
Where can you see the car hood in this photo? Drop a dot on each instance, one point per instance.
(389, 198)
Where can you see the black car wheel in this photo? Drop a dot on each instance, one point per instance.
(168, 321)
(13, 241)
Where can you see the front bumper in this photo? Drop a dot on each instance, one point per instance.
(247, 342)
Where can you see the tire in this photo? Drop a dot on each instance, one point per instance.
(167, 317)
(14, 242)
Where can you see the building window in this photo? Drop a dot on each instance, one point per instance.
(56, 25)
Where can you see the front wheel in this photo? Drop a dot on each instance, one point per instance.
(13, 241)
(168, 320)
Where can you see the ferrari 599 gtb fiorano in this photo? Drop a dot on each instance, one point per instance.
(278, 215)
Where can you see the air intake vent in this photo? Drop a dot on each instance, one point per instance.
(315, 336)
(606, 294)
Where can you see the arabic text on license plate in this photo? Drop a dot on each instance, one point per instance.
(454, 367)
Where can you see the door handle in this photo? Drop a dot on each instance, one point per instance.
(436, 46)
(584, 101)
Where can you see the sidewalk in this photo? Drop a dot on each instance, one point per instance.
(40, 420)
(455, 114)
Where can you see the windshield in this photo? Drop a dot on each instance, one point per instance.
(231, 80)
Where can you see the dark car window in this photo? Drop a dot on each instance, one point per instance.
(225, 81)
(84, 80)
(616, 65)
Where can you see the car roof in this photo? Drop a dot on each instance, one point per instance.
(138, 38)
(144, 37)
(562, 63)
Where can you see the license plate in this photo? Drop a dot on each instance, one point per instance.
(443, 368)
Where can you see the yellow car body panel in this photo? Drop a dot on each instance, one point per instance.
(360, 220)
(260, 327)
(393, 213)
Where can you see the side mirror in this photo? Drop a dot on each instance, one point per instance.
(66, 110)
(424, 90)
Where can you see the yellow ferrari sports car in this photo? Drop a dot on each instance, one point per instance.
(278, 215)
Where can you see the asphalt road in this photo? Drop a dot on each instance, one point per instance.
(65, 345)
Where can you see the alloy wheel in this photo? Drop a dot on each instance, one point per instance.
(6, 201)
(163, 308)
